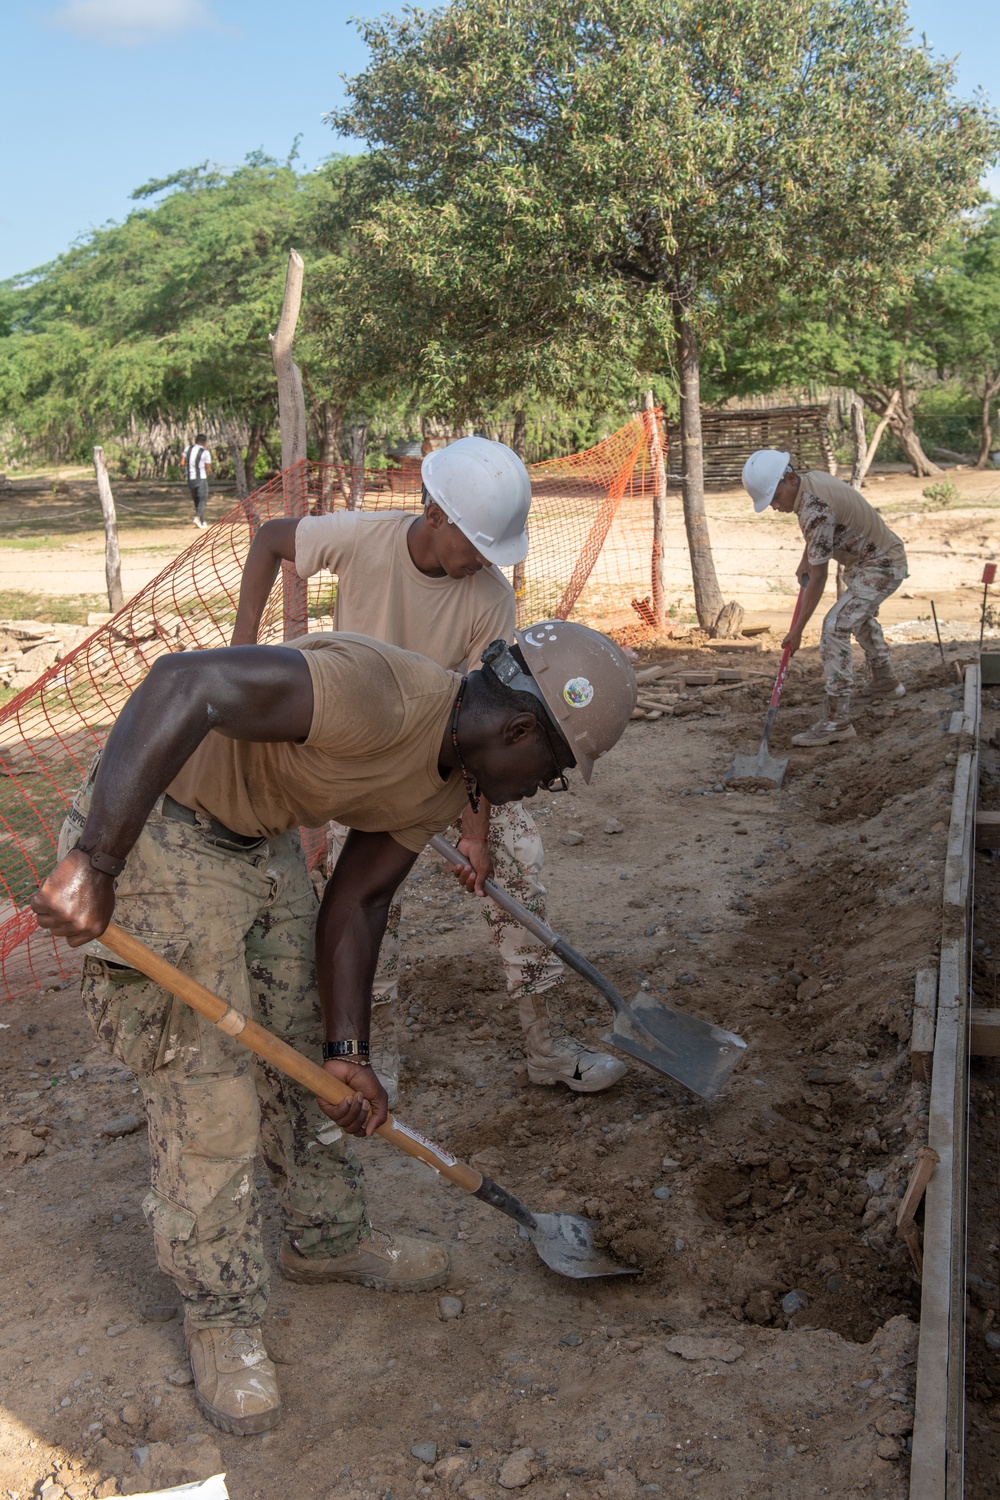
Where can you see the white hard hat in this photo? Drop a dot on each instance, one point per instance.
(484, 488)
(762, 473)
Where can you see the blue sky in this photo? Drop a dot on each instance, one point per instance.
(101, 95)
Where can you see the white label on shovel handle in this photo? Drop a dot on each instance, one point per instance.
(421, 1140)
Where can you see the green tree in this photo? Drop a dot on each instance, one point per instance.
(573, 183)
(968, 297)
(167, 314)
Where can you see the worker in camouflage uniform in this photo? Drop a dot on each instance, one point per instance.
(433, 584)
(186, 831)
(836, 522)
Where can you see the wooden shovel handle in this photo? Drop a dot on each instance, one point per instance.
(273, 1050)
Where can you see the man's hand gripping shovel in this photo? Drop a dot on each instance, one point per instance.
(565, 1242)
(764, 766)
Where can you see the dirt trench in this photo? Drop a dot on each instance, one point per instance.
(766, 1348)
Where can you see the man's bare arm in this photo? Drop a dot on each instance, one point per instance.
(349, 931)
(261, 693)
(814, 592)
(273, 544)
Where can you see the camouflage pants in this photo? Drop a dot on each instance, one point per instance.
(855, 613)
(243, 923)
(516, 847)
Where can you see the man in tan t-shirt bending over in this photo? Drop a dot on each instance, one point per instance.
(215, 761)
(433, 584)
(836, 522)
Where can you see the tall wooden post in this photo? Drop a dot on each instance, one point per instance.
(658, 596)
(859, 441)
(292, 422)
(519, 443)
(112, 556)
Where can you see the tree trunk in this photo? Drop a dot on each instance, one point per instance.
(292, 422)
(518, 442)
(253, 448)
(233, 444)
(707, 594)
(658, 559)
(859, 441)
(112, 556)
(990, 389)
(905, 432)
(359, 450)
(330, 418)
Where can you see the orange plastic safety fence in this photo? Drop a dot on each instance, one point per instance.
(591, 546)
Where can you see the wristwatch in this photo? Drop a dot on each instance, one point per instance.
(351, 1051)
(106, 863)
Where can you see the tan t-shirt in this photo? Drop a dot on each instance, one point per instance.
(836, 521)
(383, 594)
(370, 759)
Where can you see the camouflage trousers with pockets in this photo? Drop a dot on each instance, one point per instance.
(243, 923)
(516, 847)
(855, 614)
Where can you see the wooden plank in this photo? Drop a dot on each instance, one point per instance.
(928, 1465)
(938, 1458)
(922, 1032)
(987, 830)
(957, 863)
(984, 1032)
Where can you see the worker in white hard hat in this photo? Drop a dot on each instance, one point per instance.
(432, 584)
(836, 522)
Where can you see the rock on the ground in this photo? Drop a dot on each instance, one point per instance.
(613, 826)
(571, 837)
(450, 1307)
(690, 1346)
(888, 1449)
(180, 1376)
(121, 1125)
(516, 1471)
(895, 1423)
(426, 1452)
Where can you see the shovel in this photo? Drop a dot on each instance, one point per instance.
(565, 1242)
(692, 1052)
(763, 766)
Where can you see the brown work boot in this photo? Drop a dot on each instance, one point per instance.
(883, 683)
(385, 1262)
(553, 1057)
(234, 1381)
(826, 732)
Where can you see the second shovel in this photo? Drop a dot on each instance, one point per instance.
(695, 1053)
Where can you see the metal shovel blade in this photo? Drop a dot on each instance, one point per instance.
(760, 767)
(566, 1244)
(701, 1055)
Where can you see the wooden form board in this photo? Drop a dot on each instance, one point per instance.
(984, 1032)
(922, 1032)
(937, 1461)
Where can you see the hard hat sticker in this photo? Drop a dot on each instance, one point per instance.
(578, 692)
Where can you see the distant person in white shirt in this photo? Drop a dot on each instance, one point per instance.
(197, 461)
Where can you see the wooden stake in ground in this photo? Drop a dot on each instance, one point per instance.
(658, 595)
(112, 556)
(859, 441)
(292, 422)
(519, 443)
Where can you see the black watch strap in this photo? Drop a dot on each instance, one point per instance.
(353, 1051)
(106, 863)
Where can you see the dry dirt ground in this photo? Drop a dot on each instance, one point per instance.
(796, 917)
(52, 544)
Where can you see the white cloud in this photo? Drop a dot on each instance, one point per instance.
(130, 23)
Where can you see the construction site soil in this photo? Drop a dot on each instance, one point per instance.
(767, 1346)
